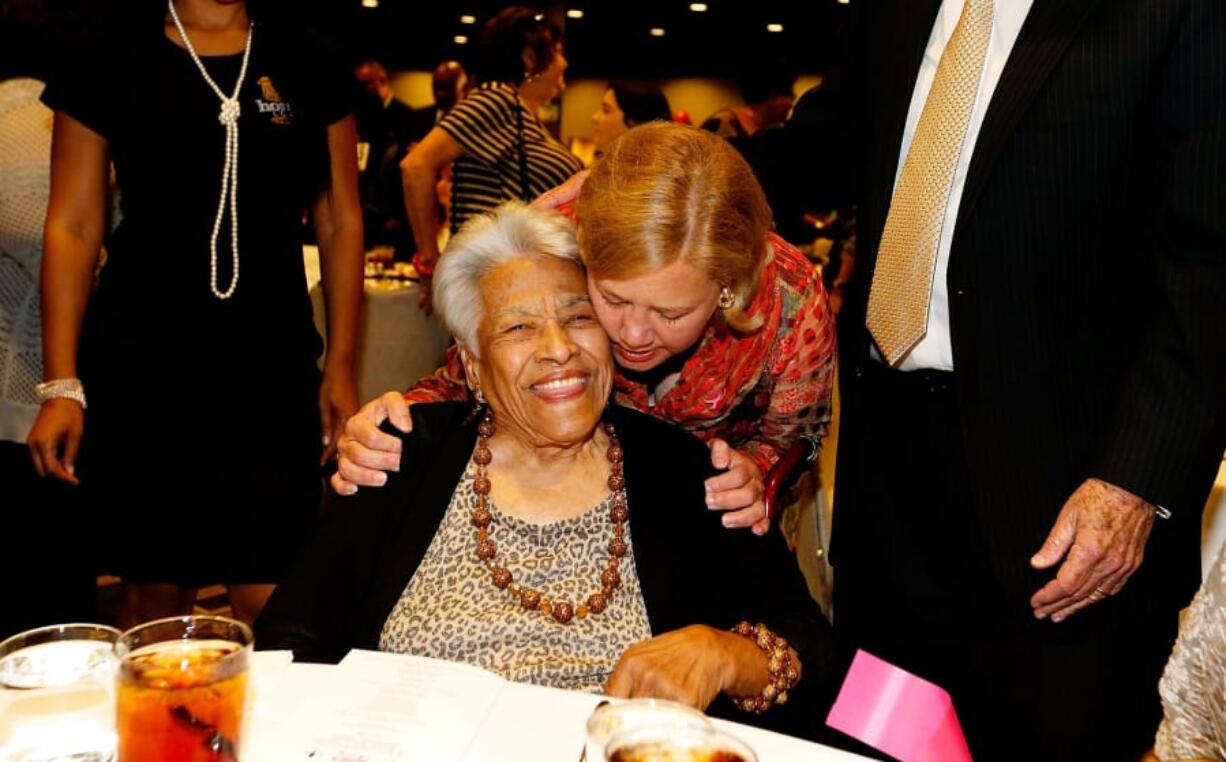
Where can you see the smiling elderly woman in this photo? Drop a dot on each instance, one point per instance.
(546, 535)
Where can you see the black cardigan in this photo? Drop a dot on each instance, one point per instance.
(691, 569)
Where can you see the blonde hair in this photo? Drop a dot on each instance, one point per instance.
(667, 192)
(511, 232)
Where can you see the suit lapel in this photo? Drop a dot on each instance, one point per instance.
(1050, 27)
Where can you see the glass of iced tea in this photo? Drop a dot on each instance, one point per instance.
(57, 699)
(677, 743)
(181, 689)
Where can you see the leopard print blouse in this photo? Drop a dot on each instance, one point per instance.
(450, 609)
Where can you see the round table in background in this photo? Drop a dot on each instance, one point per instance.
(398, 344)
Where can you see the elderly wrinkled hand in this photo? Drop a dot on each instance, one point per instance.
(692, 666)
(1101, 534)
(364, 453)
(740, 489)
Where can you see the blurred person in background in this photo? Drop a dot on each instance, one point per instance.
(768, 95)
(449, 82)
(625, 104)
(500, 149)
(387, 129)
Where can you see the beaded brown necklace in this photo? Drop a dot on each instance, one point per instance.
(534, 600)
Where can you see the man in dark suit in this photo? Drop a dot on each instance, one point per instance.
(387, 128)
(1034, 357)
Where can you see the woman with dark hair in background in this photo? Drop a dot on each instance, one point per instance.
(500, 148)
(625, 104)
(178, 341)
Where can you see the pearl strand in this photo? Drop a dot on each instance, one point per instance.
(228, 117)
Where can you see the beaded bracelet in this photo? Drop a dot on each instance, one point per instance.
(783, 667)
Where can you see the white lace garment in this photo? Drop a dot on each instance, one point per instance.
(25, 184)
(1193, 687)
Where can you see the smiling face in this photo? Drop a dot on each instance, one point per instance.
(544, 367)
(608, 122)
(656, 315)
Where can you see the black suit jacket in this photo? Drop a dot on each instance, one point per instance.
(691, 569)
(1087, 275)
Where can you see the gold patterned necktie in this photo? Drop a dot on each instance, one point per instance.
(906, 259)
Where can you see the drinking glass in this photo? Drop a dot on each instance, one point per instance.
(57, 699)
(610, 719)
(677, 743)
(181, 689)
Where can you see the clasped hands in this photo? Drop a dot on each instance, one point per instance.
(1100, 534)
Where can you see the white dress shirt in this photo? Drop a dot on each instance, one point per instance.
(935, 350)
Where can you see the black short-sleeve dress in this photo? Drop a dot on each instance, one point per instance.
(202, 441)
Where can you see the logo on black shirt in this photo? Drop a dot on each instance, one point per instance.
(271, 103)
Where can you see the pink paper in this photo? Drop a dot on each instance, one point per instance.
(898, 713)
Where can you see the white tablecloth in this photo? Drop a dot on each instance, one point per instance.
(542, 725)
(398, 342)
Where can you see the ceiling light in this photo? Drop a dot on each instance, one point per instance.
(698, 7)
(774, 27)
(574, 13)
(844, 2)
(657, 31)
(370, 3)
(460, 39)
(468, 19)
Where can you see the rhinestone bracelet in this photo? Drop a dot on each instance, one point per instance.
(61, 388)
(783, 667)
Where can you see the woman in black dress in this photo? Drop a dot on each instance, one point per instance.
(178, 343)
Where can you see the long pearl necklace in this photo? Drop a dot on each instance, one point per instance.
(229, 173)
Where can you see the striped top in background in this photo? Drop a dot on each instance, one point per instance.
(493, 127)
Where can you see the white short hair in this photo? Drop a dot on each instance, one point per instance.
(512, 231)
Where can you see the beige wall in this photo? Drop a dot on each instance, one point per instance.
(413, 87)
(579, 102)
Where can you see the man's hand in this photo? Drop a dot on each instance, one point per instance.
(739, 489)
(363, 451)
(1100, 534)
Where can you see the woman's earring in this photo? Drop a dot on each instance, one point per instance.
(480, 397)
(726, 299)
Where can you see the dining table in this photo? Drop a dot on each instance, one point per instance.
(385, 706)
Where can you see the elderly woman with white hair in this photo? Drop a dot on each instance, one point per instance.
(547, 535)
